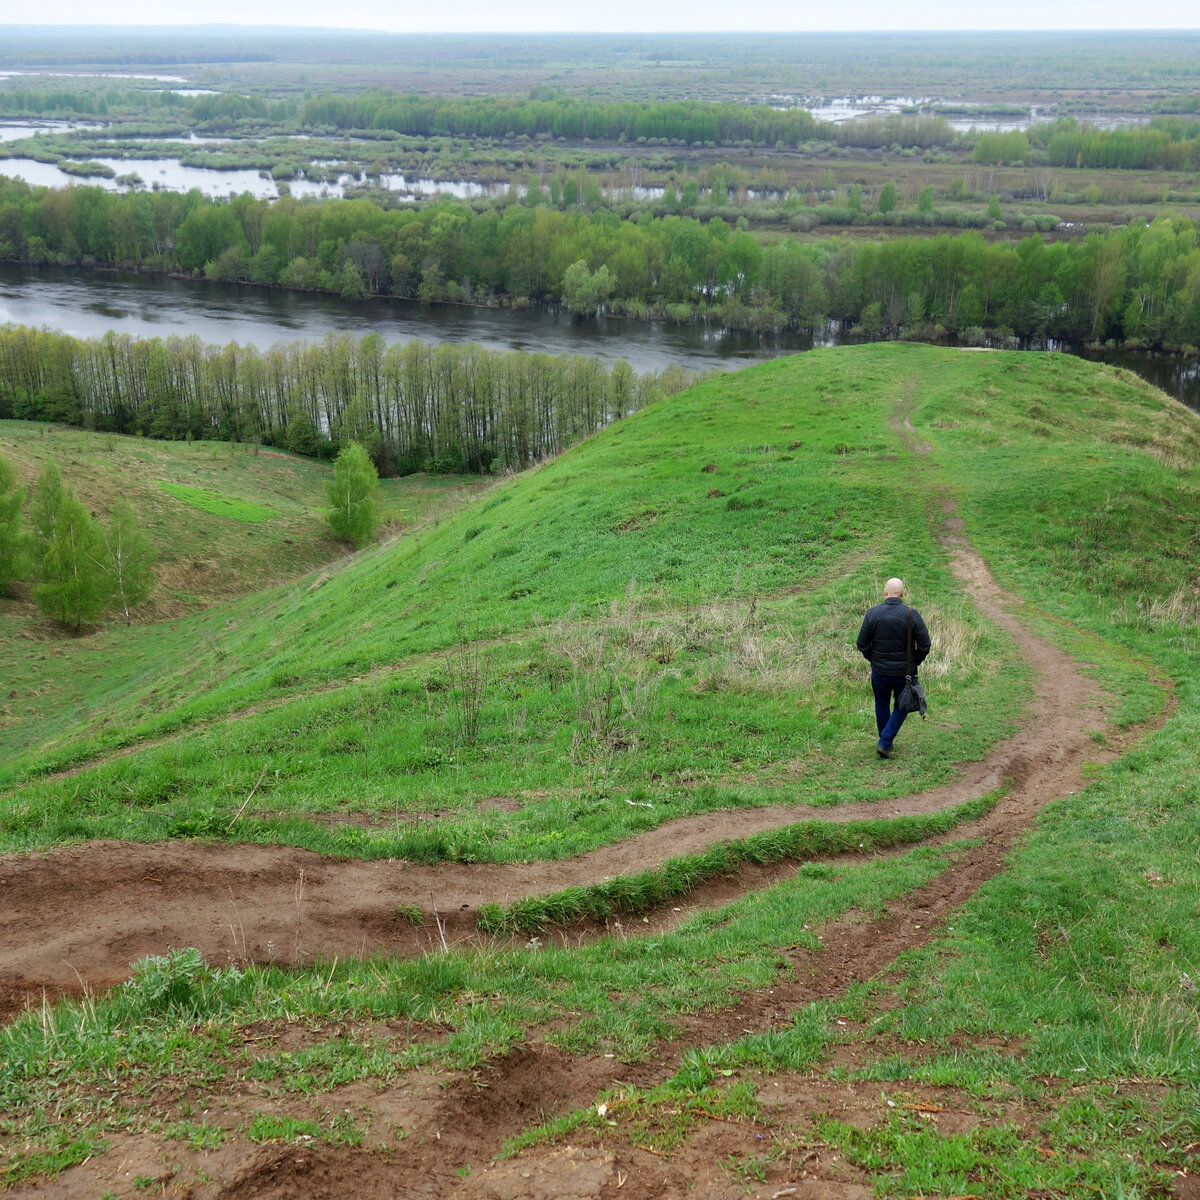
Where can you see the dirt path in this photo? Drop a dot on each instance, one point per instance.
(82, 915)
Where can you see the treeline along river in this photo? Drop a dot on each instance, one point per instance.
(1138, 284)
(87, 304)
(414, 404)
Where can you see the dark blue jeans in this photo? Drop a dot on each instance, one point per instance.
(888, 718)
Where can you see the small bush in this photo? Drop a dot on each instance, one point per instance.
(179, 982)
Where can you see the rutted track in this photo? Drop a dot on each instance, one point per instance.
(82, 915)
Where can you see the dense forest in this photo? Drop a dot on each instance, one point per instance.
(1139, 284)
(414, 407)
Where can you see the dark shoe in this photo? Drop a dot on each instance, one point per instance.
(883, 751)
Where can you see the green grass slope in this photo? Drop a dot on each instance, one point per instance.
(1044, 1043)
(657, 622)
(663, 616)
(222, 521)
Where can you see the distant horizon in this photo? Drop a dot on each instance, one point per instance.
(1077, 19)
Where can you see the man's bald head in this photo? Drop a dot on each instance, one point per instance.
(894, 587)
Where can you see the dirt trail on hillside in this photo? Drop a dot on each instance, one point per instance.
(82, 915)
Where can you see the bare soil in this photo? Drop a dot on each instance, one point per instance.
(81, 916)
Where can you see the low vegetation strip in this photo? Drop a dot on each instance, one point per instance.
(219, 505)
(679, 877)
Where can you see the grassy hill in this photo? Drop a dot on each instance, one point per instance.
(223, 521)
(660, 624)
(664, 615)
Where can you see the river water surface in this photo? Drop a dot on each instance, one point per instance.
(89, 303)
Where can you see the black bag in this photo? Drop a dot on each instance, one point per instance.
(912, 698)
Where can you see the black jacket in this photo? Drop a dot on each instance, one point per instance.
(883, 638)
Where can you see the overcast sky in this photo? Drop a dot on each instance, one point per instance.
(476, 16)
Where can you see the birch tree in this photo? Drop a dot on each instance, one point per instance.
(46, 504)
(351, 495)
(74, 586)
(128, 560)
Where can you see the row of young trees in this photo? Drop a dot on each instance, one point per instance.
(413, 406)
(41, 102)
(1138, 283)
(544, 117)
(78, 567)
(563, 117)
(1165, 144)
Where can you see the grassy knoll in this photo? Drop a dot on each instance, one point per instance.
(604, 630)
(657, 623)
(192, 500)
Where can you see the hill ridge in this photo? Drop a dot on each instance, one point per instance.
(359, 906)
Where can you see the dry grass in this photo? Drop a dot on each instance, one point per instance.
(611, 666)
(743, 648)
(1181, 608)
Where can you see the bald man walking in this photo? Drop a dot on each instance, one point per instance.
(883, 642)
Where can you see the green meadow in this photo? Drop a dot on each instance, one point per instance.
(664, 615)
(658, 624)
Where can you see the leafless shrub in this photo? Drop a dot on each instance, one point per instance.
(613, 685)
(596, 704)
(468, 678)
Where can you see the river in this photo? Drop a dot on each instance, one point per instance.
(89, 303)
